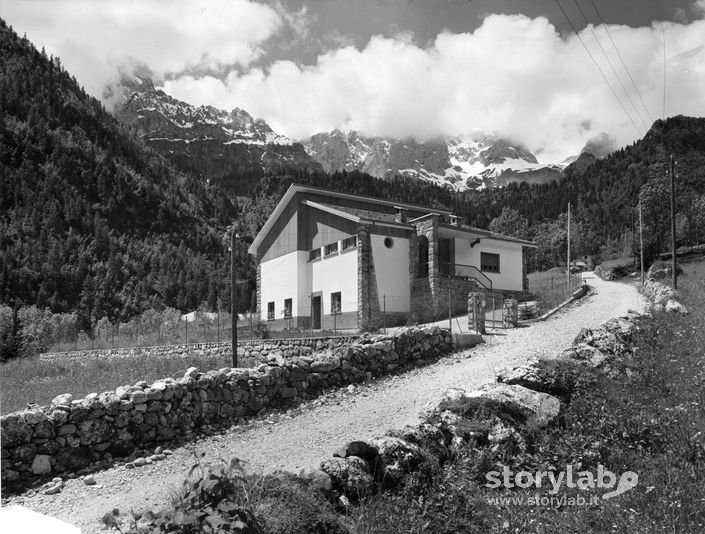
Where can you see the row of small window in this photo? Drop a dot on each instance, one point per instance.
(336, 303)
(333, 248)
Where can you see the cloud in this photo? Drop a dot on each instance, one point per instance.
(514, 75)
(94, 39)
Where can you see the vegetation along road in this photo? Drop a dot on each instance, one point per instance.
(302, 437)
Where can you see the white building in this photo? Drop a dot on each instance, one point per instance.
(330, 259)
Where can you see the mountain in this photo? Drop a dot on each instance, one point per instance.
(92, 221)
(227, 148)
(461, 164)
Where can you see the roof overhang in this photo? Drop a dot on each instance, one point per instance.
(477, 232)
(297, 188)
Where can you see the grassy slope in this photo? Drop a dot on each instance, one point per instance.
(652, 426)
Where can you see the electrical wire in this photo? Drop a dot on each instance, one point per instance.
(609, 34)
(598, 68)
(644, 124)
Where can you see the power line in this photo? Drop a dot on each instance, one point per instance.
(663, 38)
(609, 62)
(598, 67)
(609, 34)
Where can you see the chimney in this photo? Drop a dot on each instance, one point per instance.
(455, 220)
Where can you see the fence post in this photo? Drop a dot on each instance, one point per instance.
(450, 312)
(384, 313)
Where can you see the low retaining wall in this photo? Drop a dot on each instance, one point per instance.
(71, 434)
(254, 349)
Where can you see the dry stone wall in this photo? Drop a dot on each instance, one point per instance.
(255, 349)
(71, 434)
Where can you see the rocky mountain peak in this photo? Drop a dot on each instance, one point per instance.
(219, 145)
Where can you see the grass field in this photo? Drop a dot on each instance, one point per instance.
(33, 380)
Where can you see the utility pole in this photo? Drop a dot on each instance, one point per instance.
(641, 244)
(568, 246)
(233, 295)
(674, 276)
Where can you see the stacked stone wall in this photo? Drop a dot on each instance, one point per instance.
(254, 348)
(71, 434)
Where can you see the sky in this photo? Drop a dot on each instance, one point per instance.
(402, 68)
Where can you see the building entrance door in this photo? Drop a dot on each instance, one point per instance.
(316, 312)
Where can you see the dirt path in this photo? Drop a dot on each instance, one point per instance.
(304, 436)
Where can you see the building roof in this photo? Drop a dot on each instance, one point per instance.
(364, 215)
(486, 233)
(367, 215)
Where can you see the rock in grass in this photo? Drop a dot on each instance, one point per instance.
(399, 458)
(349, 476)
(537, 408)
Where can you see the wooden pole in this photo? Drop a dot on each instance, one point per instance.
(568, 246)
(641, 244)
(674, 276)
(233, 296)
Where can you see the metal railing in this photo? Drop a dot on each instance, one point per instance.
(467, 272)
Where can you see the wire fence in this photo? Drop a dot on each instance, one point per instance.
(551, 288)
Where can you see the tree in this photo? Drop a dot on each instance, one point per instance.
(510, 223)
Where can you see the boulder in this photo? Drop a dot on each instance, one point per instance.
(399, 458)
(535, 407)
(660, 270)
(605, 341)
(350, 476)
(556, 377)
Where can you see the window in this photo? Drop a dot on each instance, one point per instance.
(332, 248)
(335, 303)
(445, 256)
(489, 262)
(314, 254)
(423, 257)
(287, 308)
(388, 242)
(270, 311)
(350, 242)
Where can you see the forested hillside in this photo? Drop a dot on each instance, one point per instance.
(91, 220)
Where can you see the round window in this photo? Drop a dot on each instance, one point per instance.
(388, 242)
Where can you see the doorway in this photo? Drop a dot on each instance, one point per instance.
(316, 312)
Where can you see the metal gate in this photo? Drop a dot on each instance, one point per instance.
(494, 309)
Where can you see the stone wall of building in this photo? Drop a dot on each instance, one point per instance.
(71, 434)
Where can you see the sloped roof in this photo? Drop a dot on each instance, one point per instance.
(365, 215)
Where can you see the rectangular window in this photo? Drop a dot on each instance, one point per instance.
(350, 242)
(314, 254)
(287, 308)
(489, 262)
(332, 248)
(336, 303)
(445, 256)
(270, 311)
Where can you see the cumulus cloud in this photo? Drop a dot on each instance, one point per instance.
(514, 75)
(95, 39)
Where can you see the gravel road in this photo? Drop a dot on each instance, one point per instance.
(303, 436)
